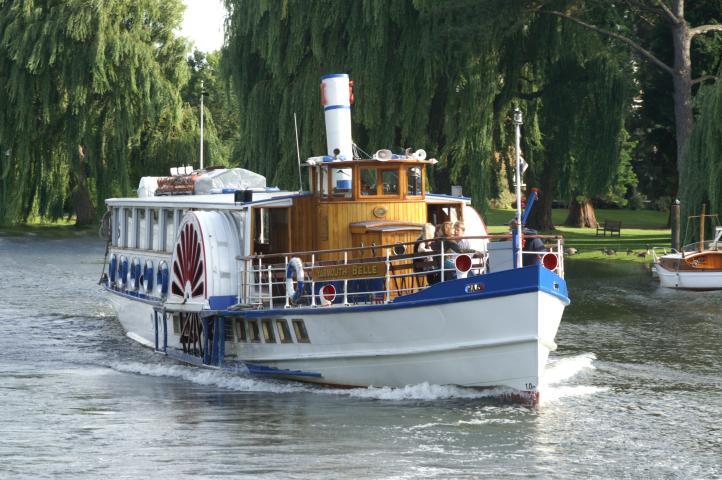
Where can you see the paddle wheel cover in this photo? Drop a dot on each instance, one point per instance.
(189, 272)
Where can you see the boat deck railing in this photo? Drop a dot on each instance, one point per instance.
(371, 274)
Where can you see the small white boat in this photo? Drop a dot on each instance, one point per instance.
(697, 267)
(331, 286)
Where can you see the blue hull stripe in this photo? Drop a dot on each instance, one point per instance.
(336, 107)
(334, 75)
(508, 282)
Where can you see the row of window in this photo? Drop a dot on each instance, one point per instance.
(145, 228)
(265, 330)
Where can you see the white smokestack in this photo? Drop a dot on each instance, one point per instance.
(336, 101)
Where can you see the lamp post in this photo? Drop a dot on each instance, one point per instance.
(517, 120)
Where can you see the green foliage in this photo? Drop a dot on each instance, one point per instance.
(704, 155)
(81, 80)
(439, 75)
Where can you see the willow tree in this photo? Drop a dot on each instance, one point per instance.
(439, 75)
(81, 80)
(421, 79)
(704, 155)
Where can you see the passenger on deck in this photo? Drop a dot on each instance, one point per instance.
(459, 230)
(450, 247)
(529, 245)
(423, 245)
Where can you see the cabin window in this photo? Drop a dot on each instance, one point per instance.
(126, 227)
(253, 332)
(284, 333)
(413, 181)
(268, 334)
(228, 329)
(169, 230)
(368, 181)
(142, 229)
(114, 227)
(299, 328)
(155, 230)
(390, 182)
(241, 334)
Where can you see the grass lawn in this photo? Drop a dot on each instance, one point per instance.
(60, 229)
(641, 230)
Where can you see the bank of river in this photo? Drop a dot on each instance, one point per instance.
(634, 390)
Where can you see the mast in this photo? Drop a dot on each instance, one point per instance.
(701, 228)
(517, 180)
(201, 124)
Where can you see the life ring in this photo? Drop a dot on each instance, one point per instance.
(113, 268)
(148, 276)
(294, 272)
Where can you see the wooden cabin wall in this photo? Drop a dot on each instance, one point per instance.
(303, 224)
(335, 218)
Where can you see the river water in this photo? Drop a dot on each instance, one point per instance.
(634, 391)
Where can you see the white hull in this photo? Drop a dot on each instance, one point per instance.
(136, 317)
(689, 280)
(498, 341)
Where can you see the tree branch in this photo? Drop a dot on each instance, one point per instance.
(704, 78)
(621, 38)
(673, 18)
(704, 29)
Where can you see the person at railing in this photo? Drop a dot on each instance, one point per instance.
(450, 248)
(459, 230)
(529, 245)
(423, 245)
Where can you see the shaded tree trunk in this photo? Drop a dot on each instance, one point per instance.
(682, 82)
(80, 197)
(581, 214)
(541, 215)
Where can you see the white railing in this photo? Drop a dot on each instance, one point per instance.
(364, 275)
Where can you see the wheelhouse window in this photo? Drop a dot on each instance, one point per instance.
(390, 182)
(368, 181)
(379, 181)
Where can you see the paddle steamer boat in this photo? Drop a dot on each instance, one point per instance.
(329, 285)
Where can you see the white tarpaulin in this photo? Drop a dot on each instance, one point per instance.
(233, 178)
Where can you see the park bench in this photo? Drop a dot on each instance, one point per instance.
(611, 226)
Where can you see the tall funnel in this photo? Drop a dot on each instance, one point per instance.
(336, 101)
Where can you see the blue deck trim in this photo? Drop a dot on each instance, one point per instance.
(508, 282)
(134, 296)
(257, 369)
(446, 195)
(334, 75)
(336, 107)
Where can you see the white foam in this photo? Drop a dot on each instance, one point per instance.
(564, 368)
(560, 370)
(422, 391)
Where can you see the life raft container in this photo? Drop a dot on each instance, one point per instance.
(294, 273)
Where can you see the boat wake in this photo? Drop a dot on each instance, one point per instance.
(560, 370)
(554, 386)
